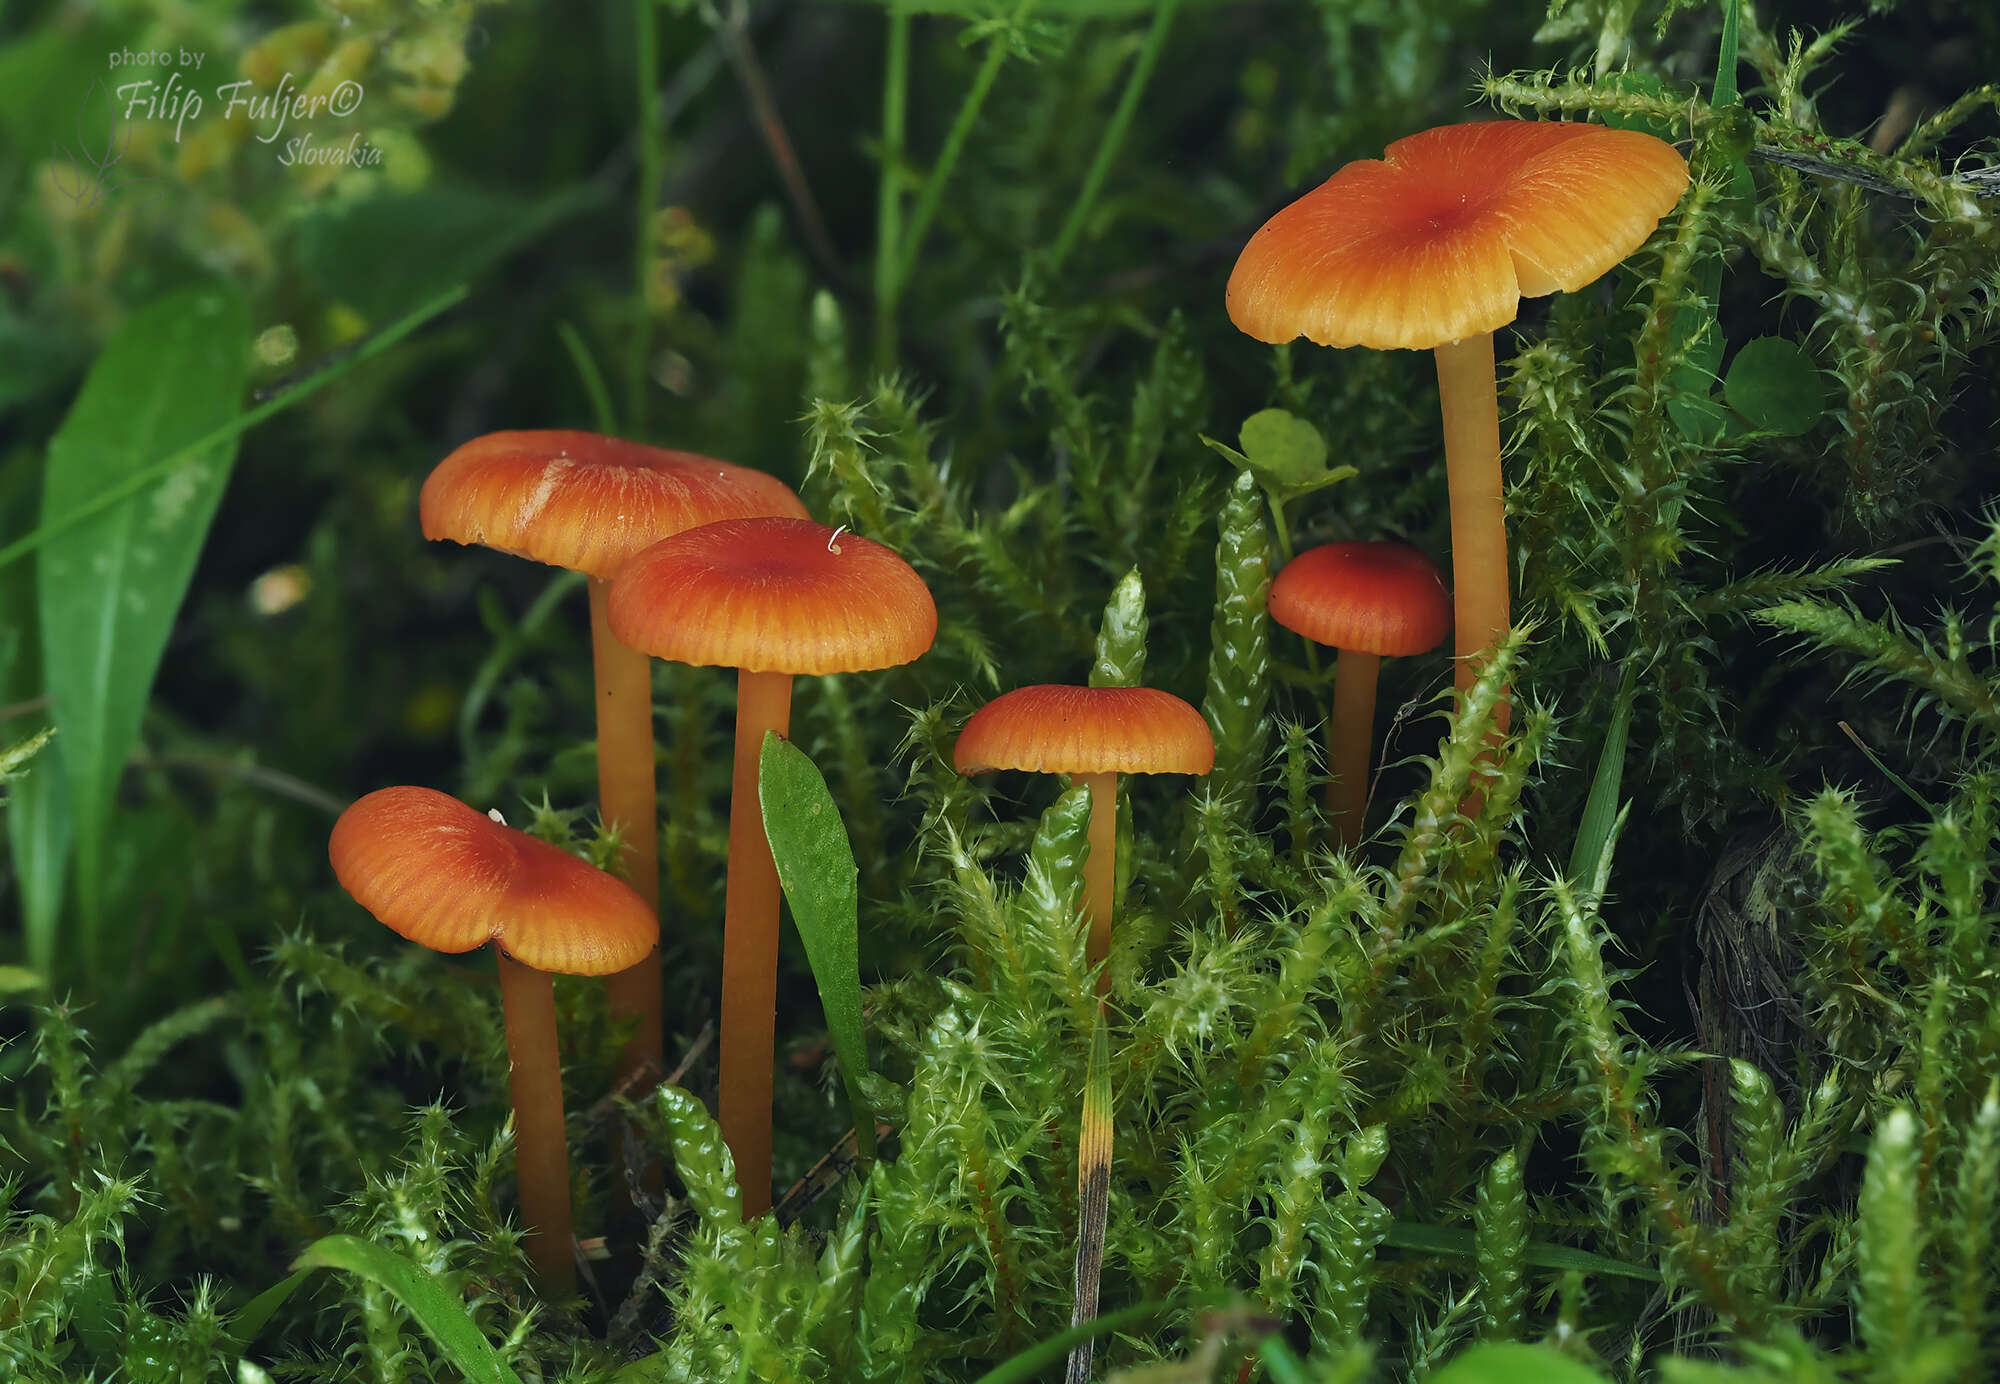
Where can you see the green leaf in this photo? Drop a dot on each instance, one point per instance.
(438, 1312)
(1288, 457)
(110, 587)
(1282, 448)
(816, 868)
(1508, 1363)
(1775, 385)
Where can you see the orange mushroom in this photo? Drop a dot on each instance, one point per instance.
(1432, 247)
(451, 879)
(772, 598)
(587, 502)
(1096, 734)
(1370, 601)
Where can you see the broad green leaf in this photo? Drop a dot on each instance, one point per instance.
(438, 1312)
(1503, 1362)
(1445, 1239)
(1775, 385)
(816, 868)
(15, 979)
(1282, 448)
(109, 588)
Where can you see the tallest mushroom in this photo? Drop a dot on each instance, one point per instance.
(1432, 247)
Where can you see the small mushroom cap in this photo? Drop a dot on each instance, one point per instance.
(450, 878)
(1442, 237)
(583, 501)
(1086, 730)
(773, 596)
(1375, 598)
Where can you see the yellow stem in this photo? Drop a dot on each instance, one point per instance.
(750, 945)
(1479, 571)
(1349, 741)
(628, 800)
(541, 1150)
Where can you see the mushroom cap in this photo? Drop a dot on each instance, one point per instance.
(451, 878)
(1442, 237)
(773, 595)
(1053, 729)
(1375, 598)
(583, 501)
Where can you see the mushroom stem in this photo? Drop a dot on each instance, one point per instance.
(627, 798)
(541, 1149)
(1100, 870)
(1479, 572)
(750, 945)
(1349, 741)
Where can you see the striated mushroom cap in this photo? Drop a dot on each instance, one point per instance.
(1442, 237)
(451, 878)
(1375, 598)
(1053, 729)
(584, 501)
(773, 596)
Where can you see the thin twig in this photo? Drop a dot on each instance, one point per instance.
(625, 1336)
(256, 775)
(771, 126)
(629, 1088)
(8, 713)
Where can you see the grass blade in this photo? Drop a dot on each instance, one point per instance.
(1027, 1366)
(1093, 1192)
(1600, 809)
(438, 1312)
